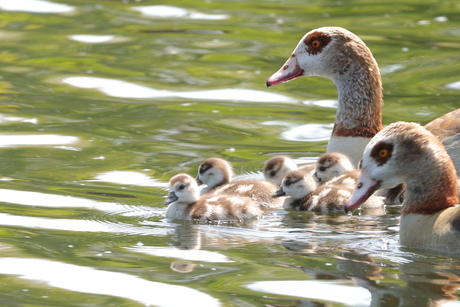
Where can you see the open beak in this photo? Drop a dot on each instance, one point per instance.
(365, 188)
(171, 198)
(289, 71)
(279, 193)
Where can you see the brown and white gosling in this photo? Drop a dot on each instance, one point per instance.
(217, 174)
(185, 203)
(407, 153)
(277, 167)
(336, 168)
(303, 193)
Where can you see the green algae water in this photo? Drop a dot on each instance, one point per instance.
(101, 102)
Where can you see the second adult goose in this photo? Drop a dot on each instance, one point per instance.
(341, 56)
(406, 152)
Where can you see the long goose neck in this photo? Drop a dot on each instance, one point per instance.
(359, 111)
(431, 191)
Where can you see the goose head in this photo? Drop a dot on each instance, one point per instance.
(332, 164)
(214, 172)
(406, 152)
(277, 167)
(330, 52)
(296, 185)
(182, 188)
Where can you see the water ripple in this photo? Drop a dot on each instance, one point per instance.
(36, 139)
(123, 89)
(166, 11)
(185, 254)
(344, 292)
(89, 280)
(35, 6)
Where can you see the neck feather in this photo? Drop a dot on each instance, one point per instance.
(432, 191)
(359, 111)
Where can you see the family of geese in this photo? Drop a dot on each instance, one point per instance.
(365, 164)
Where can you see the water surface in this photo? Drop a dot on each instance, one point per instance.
(101, 103)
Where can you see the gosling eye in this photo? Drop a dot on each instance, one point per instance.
(181, 187)
(322, 168)
(288, 182)
(273, 173)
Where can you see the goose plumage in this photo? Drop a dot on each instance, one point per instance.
(217, 174)
(185, 203)
(408, 153)
(341, 56)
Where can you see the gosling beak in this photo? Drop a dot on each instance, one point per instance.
(279, 193)
(198, 181)
(366, 186)
(289, 71)
(315, 175)
(171, 198)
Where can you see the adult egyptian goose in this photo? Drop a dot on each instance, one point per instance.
(185, 203)
(406, 152)
(217, 174)
(341, 56)
(303, 194)
(277, 167)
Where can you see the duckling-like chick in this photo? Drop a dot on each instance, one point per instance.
(303, 194)
(185, 203)
(277, 167)
(332, 164)
(407, 153)
(217, 174)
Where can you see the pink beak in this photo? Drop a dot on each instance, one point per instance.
(365, 188)
(289, 71)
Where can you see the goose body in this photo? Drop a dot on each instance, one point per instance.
(185, 203)
(303, 193)
(408, 153)
(277, 167)
(217, 174)
(341, 56)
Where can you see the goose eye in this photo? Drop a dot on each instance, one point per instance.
(181, 187)
(322, 168)
(288, 182)
(273, 173)
(316, 44)
(383, 153)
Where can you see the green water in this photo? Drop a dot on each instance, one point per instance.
(94, 126)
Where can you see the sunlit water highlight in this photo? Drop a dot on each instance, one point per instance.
(35, 6)
(166, 11)
(89, 280)
(123, 89)
(38, 139)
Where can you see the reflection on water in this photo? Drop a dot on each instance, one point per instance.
(117, 88)
(145, 91)
(308, 133)
(92, 39)
(35, 6)
(185, 254)
(38, 139)
(341, 292)
(130, 178)
(166, 11)
(89, 280)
